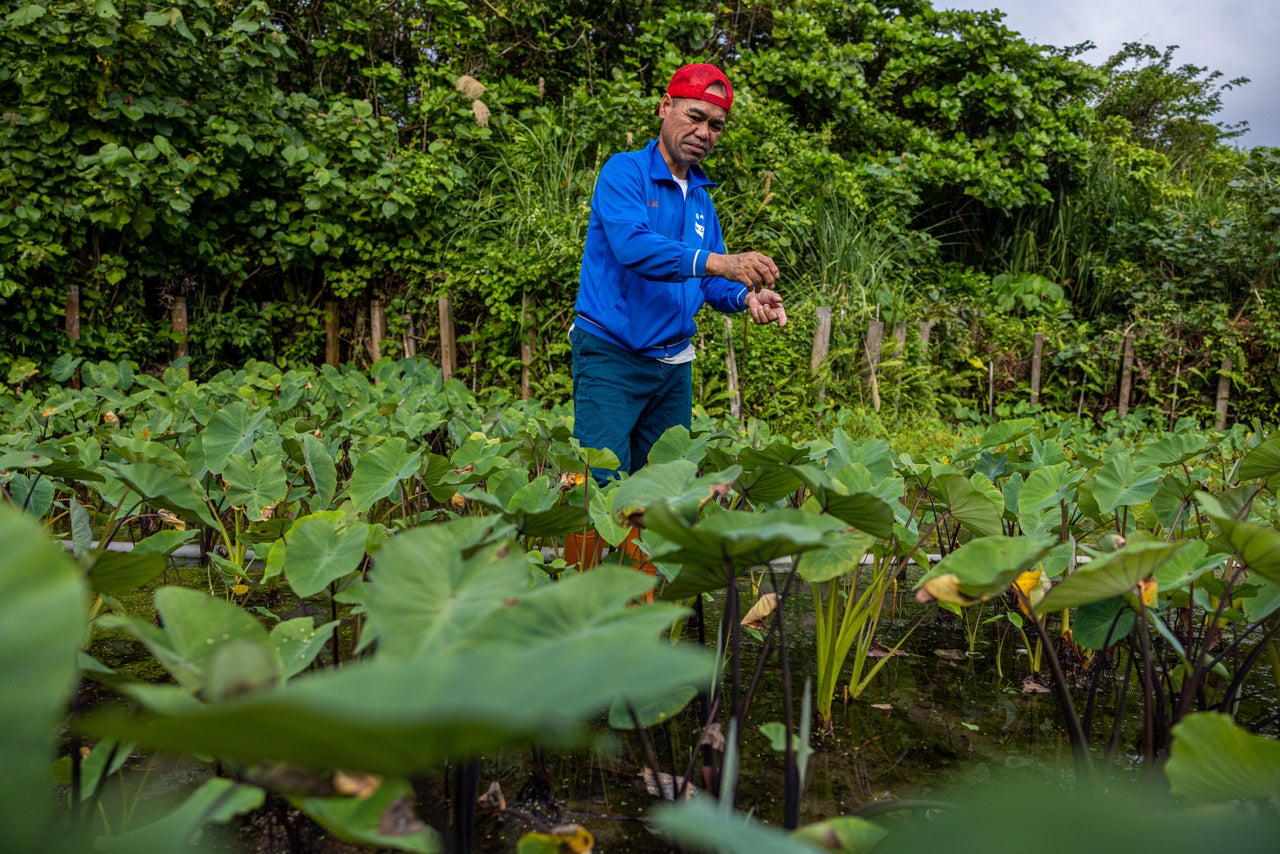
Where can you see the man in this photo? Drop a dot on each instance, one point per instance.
(654, 254)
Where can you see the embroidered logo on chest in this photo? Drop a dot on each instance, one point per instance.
(699, 226)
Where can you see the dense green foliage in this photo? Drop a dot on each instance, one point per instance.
(264, 160)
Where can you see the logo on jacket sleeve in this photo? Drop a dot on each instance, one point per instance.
(699, 226)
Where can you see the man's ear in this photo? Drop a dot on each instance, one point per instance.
(664, 105)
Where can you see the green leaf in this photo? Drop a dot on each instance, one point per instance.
(1119, 484)
(28, 14)
(42, 626)
(1004, 432)
(967, 505)
(657, 710)
(1046, 487)
(299, 641)
(120, 572)
(1092, 625)
(1263, 462)
(379, 472)
(253, 487)
(842, 555)
(1112, 574)
(230, 431)
(382, 820)
(983, 568)
(161, 487)
(321, 469)
(1213, 760)
(216, 802)
(1257, 546)
(320, 549)
(702, 825)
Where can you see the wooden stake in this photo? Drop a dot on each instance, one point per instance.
(178, 315)
(731, 366)
(448, 340)
(377, 329)
(527, 342)
(1037, 357)
(926, 330)
(821, 345)
(410, 337)
(1224, 392)
(1126, 376)
(331, 333)
(73, 312)
(875, 338)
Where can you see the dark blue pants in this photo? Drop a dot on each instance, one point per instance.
(624, 402)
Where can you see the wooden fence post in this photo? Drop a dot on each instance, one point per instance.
(900, 335)
(377, 329)
(1126, 376)
(178, 315)
(448, 340)
(875, 338)
(527, 343)
(73, 312)
(731, 367)
(1224, 392)
(926, 330)
(1037, 357)
(410, 337)
(331, 333)
(821, 345)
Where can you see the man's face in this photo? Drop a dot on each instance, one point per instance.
(690, 129)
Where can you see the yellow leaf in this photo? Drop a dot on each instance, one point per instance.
(1148, 587)
(355, 783)
(977, 363)
(1029, 583)
(759, 613)
(239, 589)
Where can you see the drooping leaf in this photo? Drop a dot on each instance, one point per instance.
(1212, 759)
(178, 494)
(701, 825)
(842, 555)
(120, 572)
(983, 568)
(1102, 623)
(383, 819)
(967, 505)
(1263, 462)
(1110, 575)
(42, 625)
(216, 802)
(320, 468)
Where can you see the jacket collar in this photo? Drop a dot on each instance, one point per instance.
(660, 171)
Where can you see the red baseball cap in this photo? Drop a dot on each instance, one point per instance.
(692, 81)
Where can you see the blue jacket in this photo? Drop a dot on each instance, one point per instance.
(644, 264)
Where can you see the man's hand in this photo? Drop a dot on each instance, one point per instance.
(752, 269)
(766, 307)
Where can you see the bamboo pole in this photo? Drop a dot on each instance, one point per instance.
(448, 339)
(1037, 358)
(731, 367)
(1126, 376)
(331, 354)
(178, 318)
(1224, 393)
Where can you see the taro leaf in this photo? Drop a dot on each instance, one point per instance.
(1262, 462)
(1256, 546)
(655, 711)
(162, 488)
(701, 825)
(196, 626)
(254, 487)
(230, 432)
(664, 482)
(164, 542)
(1186, 566)
(874, 454)
(1110, 575)
(384, 819)
(724, 544)
(299, 641)
(1007, 431)
(983, 568)
(1120, 484)
(967, 505)
(552, 522)
(862, 510)
(320, 468)
(1092, 625)
(217, 801)
(430, 585)
(32, 493)
(1263, 603)
(1046, 487)
(842, 555)
(1171, 501)
(1212, 759)
(1172, 449)
(120, 572)
(763, 483)
(677, 444)
(321, 548)
(81, 528)
(388, 715)
(42, 625)
(843, 833)
(380, 471)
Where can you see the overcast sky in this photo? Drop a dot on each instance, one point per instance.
(1240, 38)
